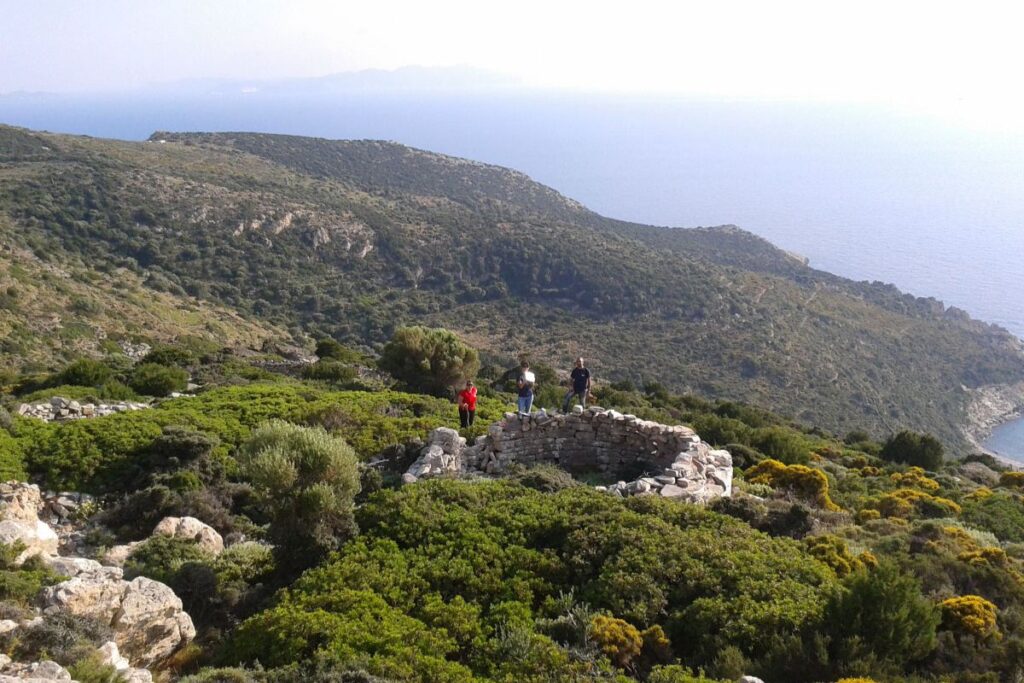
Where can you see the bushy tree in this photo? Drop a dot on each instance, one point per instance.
(308, 480)
(152, 379)
(430, 360)
(923, 450)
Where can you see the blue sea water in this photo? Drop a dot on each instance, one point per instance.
(1008, 440)
(865, 193)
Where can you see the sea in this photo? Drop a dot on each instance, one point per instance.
(870, 193)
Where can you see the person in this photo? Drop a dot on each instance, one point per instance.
(467, 405)
(526, 383)
(580, 378)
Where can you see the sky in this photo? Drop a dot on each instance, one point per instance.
(958, 60)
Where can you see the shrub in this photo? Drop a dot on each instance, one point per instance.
(91, 669)
(914, 477)
(331, 350)
(782, 444)
(1013, 479)
(805, 482)
(83, 373)
(970, 615)
(907, 503)
(999, 513)
(880, 615)
(171, 356)
(308, 480)
(22, 584)
(922, 450)
(428, 359)
(161, 557)
(329, 371)
(834, 552)
(618, 640)
(63, 637)
(151, 379)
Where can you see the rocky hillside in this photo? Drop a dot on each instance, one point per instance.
(353, 238)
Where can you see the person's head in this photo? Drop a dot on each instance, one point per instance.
(579, 362)
(469, 384)
(525, 365)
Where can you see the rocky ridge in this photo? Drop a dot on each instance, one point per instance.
(671, 460)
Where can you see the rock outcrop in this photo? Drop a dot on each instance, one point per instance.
(19, 510)
(648, 458)
(146, 616)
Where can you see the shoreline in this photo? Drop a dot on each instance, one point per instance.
(989, 408)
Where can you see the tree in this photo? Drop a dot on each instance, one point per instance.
(923, 450)
(307, 480)
(427, 359)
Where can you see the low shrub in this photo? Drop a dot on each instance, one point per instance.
(802, 481)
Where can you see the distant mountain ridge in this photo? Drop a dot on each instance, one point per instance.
(352, 238)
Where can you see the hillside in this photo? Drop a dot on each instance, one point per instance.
(353, 238)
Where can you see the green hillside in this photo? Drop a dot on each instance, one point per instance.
(354, 238)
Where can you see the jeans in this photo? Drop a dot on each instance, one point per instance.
(466, 417)
(526, 403)
(568, 397)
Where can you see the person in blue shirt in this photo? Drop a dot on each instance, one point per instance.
(580, 377)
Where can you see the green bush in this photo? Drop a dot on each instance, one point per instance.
(152, 379)
(880, 616)
(330, 371)
(308, 480)
(161, 557)
(83, 373)
(428, 359)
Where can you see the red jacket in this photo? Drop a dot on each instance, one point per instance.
(468, 397)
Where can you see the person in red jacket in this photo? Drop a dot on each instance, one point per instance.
(467, 405)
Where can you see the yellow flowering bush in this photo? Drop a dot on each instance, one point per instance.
(970, 615)
(619, 640)
(803, 481)
(915, 477)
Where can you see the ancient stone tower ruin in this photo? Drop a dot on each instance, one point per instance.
(639, 456)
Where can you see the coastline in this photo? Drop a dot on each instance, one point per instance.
(990, 407)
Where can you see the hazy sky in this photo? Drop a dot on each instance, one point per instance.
(958, 59)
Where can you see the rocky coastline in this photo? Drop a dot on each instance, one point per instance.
(990, 407)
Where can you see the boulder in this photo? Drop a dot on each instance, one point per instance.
(38, 537)
(151, 624)
(146, 615)
(190, 528)
(20, 501)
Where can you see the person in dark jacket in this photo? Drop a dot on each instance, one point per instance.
(580, 378)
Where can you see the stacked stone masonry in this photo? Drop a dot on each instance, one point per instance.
(641, 456)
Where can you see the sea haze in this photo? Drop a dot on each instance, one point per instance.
(862, 193)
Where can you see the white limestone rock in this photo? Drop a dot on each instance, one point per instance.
(192, 529)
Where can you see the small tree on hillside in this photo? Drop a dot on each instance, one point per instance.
(307, 480)
(427, 359)
(923, 450)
